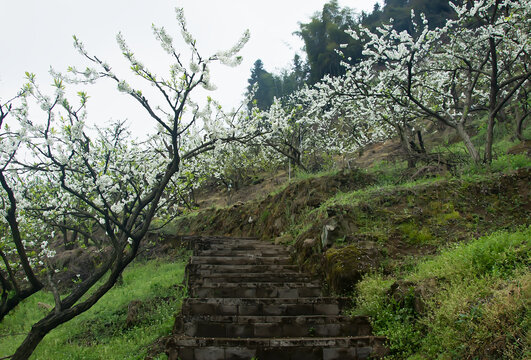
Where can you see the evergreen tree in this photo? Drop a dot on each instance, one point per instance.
(266, 85)
(325, 32)
(323, 35)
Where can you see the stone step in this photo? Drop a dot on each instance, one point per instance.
(205, 269)
(229, 242)
(232, 253)
(227, 239)
(240, 260)
(271, 277)
(255, 290)
(273, 326)
(247, 300)
(246, 246)
(315, 348)
(265, 306)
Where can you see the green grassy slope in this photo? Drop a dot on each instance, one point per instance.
(103, 332)
(439, 262)
(471, 301)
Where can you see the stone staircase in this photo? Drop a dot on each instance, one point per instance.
(248, 301)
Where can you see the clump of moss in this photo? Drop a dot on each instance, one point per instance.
(412, 233)
(345, 266)
(342, 266)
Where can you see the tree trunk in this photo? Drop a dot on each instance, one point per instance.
(406, 146)
(61, 315)
(11, 218)
(9, 303)
(472, 151)
(520, 118)
(73, 240)
(29, 344)
(493, 97)
(421, 142)
(67, 243)
(490, 139)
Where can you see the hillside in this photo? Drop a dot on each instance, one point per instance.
(441, 263)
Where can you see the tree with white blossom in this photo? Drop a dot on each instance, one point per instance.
(13, 249)
(474, 65)
(369, 115)
(114, 181)
(299, 125)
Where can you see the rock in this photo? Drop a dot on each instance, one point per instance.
(309, 243)
(278, 224)
(345, 266)
(329, 233)
(44, 306)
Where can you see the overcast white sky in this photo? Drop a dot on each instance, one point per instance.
(37, 34)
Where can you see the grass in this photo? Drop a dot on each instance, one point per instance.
(370, 192)
(101, 332)
(305, 175)
(469, 302)
(387, 172)
(498, 254)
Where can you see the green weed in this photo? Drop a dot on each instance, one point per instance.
(498, 254)
(415, 234)
(477, 306)
(101, 332)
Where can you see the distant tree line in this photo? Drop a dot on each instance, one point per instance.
(325, 32)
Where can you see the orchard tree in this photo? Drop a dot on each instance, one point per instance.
(474, 65)
(298, 125)
(365, 114)
(521, 110)
(115, 181)
(503, 33)
(284, 132)
(12, 243)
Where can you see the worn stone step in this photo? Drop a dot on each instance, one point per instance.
(273, 326)
(241, 260)
(238, 246)
(271, 277)
(205, 269)
(265, 306)
(228, 242)
(253, 252)
(226, 239)
(231, 243)
(336, 348)
(246, 246)
(247, 300)
(255, 290)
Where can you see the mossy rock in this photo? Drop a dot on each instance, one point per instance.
(345, 266)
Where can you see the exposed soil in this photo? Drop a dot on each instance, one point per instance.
(215, 195)
(270, 217)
